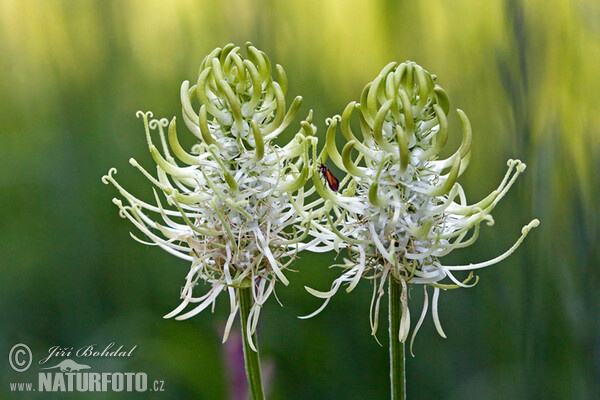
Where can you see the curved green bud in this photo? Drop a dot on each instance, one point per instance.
(467, 137)
(345, 125)
(381, 90)
(208, 59)
(388, 68)
(299, 182)
(442, 99)
(440, 138)
(176, 146)
(186, 104)
(364, 99)
(201, 88)
(268, 64)
(403, 153)
(378, 126)
(307, 128)
(349, 164)
(281, 78)
(399, 74)
(409, 78)
(259, 150)
(424, 88)
(464, 151)
(248, 108)
(225, 52)
(217, 71)
(331, 148)
(239, 65)
(204, 130)
(409, 122)
(234, 103)
(450, 180)
(349, 135)
(168, 167)
(374, 197)
(287, 120)
(257, 58)
(370, 106)
(365, 128)
(390, 87)
(279, 112)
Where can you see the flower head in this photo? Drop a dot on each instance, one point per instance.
(230, 204)
(400, 208)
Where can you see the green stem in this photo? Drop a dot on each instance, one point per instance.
(397, 371)
(251, 358)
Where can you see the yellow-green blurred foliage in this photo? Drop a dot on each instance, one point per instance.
(73, 74)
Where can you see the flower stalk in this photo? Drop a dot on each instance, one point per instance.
(397, 357)
(251, 357)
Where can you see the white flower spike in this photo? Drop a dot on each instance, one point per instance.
(233, 206)
(400, 208)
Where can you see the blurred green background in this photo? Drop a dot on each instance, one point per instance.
(73, 74)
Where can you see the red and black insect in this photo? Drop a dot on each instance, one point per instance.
(332, 181)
